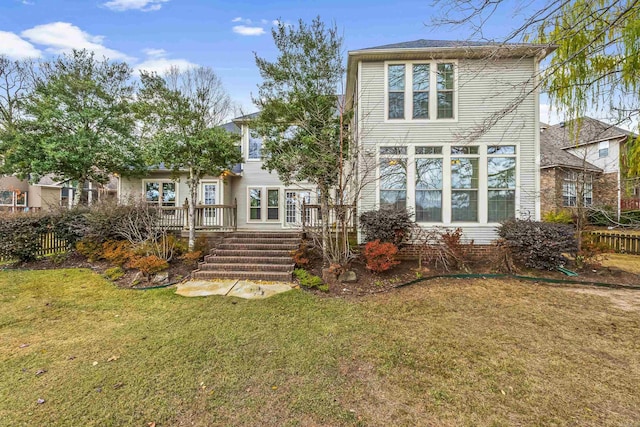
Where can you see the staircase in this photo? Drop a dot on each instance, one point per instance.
(251, 256)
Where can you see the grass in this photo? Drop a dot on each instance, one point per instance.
(630, 263)
(465, 352)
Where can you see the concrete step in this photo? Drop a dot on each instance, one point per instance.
(251, 253)
(216, 259)
(276, 276)
(257, 246)
(247, 267)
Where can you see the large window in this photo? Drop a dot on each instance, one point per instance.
(255, 147)
(396, 85)
(425, 89)
(464, 183)
(501, 182)
(255, 203)
(428, 184)
(574, 185)
(162, 193)
(393, 177)
(273, 204)
(13, 198)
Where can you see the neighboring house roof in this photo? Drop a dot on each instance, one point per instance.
(554, 156)
(591, 130)
(422, 43)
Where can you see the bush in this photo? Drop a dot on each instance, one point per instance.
(538, 245)
(69, 224)
(104, 221)
(118, 252)
(300, 256)
(20, 236)
(591, 253)
(380, 256)
(113, 273)
(148, 265)
(386, 225)
(191, 258)
(308, 280)
(562, 216)
(89, 249)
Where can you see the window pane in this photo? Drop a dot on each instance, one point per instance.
(501, 149)
(445, 105)
(421, 77)
(396, 199)
(445, 76)
(396, 105)
(396, 77)
(428, 174)
(399, 151)
(421, 105)
(393, 174)
(152, 191)
(6, 197)
(429, 206)
(464, 205)
(255, 147)
(472, 149)
(502, 205)
(464, 173)
(273, 199)
(428, 150)
(501, 172)
(21, 198)
(254, 195)
(168, 194)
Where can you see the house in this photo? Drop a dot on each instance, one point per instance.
(588, 161)
(246, 198)
(425, 111)
(21, 195)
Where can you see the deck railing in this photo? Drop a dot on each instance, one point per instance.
(312, 217)
(207, 217)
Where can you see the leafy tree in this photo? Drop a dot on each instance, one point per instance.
(182, 111)
(77, 124)
(300, 120)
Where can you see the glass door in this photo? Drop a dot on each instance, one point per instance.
(209, 198)
(294, 199)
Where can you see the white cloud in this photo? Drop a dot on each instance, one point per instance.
(237, 19)
(63, 37)
(550, 116)
(158, 62)
(14, 47)
(142, 5)
(244, 30)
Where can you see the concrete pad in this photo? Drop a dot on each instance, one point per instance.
(203, 288)
(228, 287)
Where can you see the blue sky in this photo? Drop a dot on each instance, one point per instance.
(155, 34)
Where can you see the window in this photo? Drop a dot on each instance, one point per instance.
(255, 203)
(603, 149)
(464, 184)
(421, 91)
(255, 147)
(428, 184)
(396, 84)
(273, 204)
(501, 182)
(445, 91)
(393, 177)
(160, 193)
(575, 184)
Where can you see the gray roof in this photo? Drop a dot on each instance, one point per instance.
(426, 44)
(554, 156)
(591, 130)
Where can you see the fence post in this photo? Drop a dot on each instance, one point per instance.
(235, 214)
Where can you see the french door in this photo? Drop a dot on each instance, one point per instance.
(294, 199)
(209, 198)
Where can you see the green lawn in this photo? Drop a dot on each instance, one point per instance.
(472, 352)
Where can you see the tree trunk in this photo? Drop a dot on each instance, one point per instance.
(324, 211)
(78, 192)
(193, 199)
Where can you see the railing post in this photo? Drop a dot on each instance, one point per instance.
(185, 214)
(303, 216)
(235, 214)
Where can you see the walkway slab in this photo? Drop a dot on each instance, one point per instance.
(228, 287)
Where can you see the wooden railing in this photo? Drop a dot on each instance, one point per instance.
(630, 204)
(619, 241)
(312, 217)
(207, 217)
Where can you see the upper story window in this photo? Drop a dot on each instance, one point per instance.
(603, 149)
(424, 89)
(255, 147)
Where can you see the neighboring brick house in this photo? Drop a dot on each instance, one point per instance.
(584, 162)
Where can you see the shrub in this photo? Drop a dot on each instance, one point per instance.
(113, 273)
(442, 247)
(380, 256)
(20, 236)
(308, 280)
(104, 221)
(562, 216)
(89, 249)
(386, 225)
(118, 252)
(591, 253)
(191, 258)
(69, 224)
(300, 256)
(538, 245)
(148, 265)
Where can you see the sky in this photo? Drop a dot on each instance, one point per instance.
(155, 34)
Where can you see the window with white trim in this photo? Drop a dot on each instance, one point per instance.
(428, 192)
(464, 183)
(13, 198)
(255, 147)
(574, 184)
(421, 77)
(393, 177)
(161, 193)
(603, 149)
(396, 86)
(255, 203)
(273, 204)
(445, 91)
(501, 182)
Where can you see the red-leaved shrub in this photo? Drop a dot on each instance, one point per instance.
(380, 256)
(148, 265)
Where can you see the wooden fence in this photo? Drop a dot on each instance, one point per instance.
(49, 244)
(630, 204)
(619, 241)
